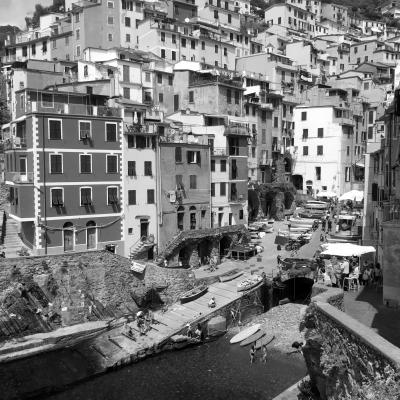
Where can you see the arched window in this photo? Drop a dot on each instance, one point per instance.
(68, 236)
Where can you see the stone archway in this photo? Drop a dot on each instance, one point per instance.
(298, 182)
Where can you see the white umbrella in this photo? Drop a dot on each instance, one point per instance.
(326, 193)
(353, 195)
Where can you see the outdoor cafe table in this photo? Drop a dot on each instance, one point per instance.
(243, 252)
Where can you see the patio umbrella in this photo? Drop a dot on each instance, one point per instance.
(353, 195)
(326, 193)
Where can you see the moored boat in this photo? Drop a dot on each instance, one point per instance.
(253, 338)
(249, 283)
(245, 333)
(230, 276)
(265, 340)
(193, 294)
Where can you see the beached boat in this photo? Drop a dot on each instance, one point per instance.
(230, 276)
(245, 333)
(193, 294)
(316, 205)
(249, 283)
(253, 338)
(303, 229)
(265, 340)
(294, 235)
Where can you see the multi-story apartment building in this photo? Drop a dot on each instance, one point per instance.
(373, 51)
(335, 12)
(291, 17)
(52, 40)
(324, 155)
(390, 8)
(64, 169)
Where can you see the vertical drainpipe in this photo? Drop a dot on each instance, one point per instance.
(209, 186)
(158, 191)
(44, 187)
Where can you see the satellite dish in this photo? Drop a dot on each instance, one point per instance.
(187, 20)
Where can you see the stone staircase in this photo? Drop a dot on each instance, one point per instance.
(141, 246)
(12, 240)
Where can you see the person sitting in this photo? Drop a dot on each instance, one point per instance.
(212, 302)
(189, 332)
(198, 333)
(297, 345)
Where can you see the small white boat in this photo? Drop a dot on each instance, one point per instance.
(245, 333)
(249, 283)
(294, 235)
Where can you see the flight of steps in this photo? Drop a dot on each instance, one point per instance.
(12, 241)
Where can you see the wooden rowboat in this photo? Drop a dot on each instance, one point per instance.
(193, 294)
(245, 333)
(253, 338)
(267, 339)
(249, 283)
(230, 276)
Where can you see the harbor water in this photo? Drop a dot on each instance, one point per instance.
(213, 371)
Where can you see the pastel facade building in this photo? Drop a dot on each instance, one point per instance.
(335, 12)
(63, 165)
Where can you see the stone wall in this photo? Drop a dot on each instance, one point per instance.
(77, 287)
(345, 359)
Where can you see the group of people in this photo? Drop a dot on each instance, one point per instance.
(253, 353)
(197, 333)
(335, 272)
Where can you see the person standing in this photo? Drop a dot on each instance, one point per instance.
(323, 224)
(264, 354)
(329, 225)
(252, 354)
(345, 270)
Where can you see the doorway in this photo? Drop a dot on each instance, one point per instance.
(144, 228)
(68, 236)
(91, 235)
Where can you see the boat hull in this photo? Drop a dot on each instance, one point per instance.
(227, 278)
(245, 333)
(248, 287)
(187, 297)
(253, 338)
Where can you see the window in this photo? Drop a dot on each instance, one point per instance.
(85, 196)
(57, 197)
(183, 42)
(320, 150)
(229, 18)
(128, 22)
(370, 117)
(163, 36)
(193, 181)
(85, 130)
(150, 196)
(347, 151)
(304, 116)
(110, 20)
(228, 96)
(212, 165)
(320, 132)
(159, 78)
(34, 48)
(112, 164)
(318, 173)
(85, 162)
(44, 47)
(112, 195)
(222, 189)
(131, 197)
(110, 37)
(173, 57)
(203, 45)
(173, 38)
(216, 49)
(263, 136)
(162, 53)
(178, 154)
(111, 132)
(191, 96)
(223, 165)
(305, 134)
(213, 190)
(160, 97)
(193, 157)
(55, 129)
(347, 174)
(276, 122)
(237, 96)
(170, 79)
(131, 168)
(305, 150)
(225, 51)
(147, 77)
(216, 14)
(147, 168)
(110, 4)
(241, 214)
(126, 93)
(125, 73)
(56, 164)
(77, 17)
(193, 44)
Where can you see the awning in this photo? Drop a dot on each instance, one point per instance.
(346, 249)
(138, 267)
(353, 195)
(360, 164)
(252, 90)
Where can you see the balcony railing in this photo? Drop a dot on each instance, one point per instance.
(204, 79)
(14, 142)
(19, 177)
(74, 109)
(140, 129)
(267, 106)
(219, 151)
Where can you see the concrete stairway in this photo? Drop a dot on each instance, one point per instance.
(12, 241)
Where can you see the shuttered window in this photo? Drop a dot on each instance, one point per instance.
(131, 168)
(112, 164)
(86, 163)
(56, 166)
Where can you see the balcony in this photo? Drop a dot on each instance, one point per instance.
(19, 177)
(141, 129)
(212, 78)
(267, 106)
(72, 109)
(219, 152)
(14, 143)
(236, 199)
(237, 130)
